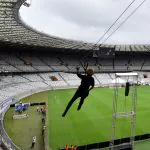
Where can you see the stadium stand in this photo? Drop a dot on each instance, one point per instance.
(25, 68)
(33, 77)
(8, 68)
(43, 68)
(32, 81)
(51, 63)
(104, 78)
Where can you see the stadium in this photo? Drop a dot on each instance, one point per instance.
(38, 78)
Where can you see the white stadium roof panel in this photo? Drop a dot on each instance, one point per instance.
(13, 30)
(11, 1)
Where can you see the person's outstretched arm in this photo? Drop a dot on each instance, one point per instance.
(79, 74)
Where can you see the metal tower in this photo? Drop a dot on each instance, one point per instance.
(122, 79)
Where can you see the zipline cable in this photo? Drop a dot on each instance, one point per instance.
(112, 24)
(124, 20)
(115, 21)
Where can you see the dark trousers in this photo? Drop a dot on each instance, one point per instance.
(79, 93)
(32, 144)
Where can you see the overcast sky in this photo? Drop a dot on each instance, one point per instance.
(87, 20)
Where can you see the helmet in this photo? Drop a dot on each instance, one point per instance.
(90, 71)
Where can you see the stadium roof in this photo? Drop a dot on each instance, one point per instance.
(14, 31)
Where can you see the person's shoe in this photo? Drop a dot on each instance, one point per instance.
(63, 115)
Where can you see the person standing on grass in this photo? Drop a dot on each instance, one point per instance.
(66, 147)
(87, 84)
(75, 147)
(33, 141)
(72, 147)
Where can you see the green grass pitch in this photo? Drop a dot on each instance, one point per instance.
(89, 125)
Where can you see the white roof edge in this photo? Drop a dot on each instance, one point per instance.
(127, 74)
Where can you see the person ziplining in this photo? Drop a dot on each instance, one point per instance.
(87, 84)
